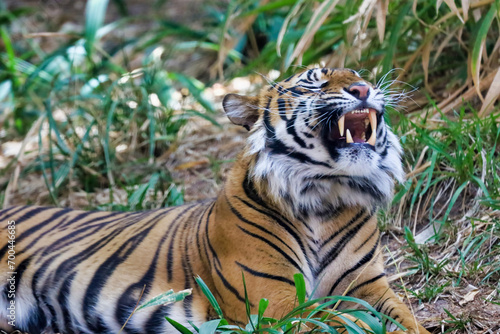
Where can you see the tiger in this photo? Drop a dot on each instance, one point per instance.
(301, 197)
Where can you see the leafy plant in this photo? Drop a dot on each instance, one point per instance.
(424, 263)
(458, 322)
(429, 291)
(301, 318)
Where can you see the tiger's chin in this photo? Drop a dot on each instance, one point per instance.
(314, 194)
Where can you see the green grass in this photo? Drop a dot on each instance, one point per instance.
(99, 124)
(305, 316)
(104, 108)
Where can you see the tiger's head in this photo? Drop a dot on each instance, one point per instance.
(318, 141)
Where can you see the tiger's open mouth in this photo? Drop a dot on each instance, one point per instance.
(357, 126)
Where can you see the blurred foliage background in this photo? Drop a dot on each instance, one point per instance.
(88, 76)
(96, 96)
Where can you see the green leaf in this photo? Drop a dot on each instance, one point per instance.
(375, 325)
(393, 40)
(206, 291)
(263, 304)
(138, 196)
(182, 329)
(454, 199)
(11, 63)
(166, 298)
(247, 304)
(95, 11)
(210, 327)
(53, 126)
(273, 5)
(300, 287)
(479, 42)
(351, 326)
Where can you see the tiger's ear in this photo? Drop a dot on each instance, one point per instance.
(241, 110)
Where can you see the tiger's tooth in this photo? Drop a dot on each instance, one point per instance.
(348, 137)
(373, 122)
(372, 139)
(341, 125)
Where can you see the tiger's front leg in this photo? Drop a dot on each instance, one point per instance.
(383, 298)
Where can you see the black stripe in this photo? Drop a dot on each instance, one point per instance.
(251, 193)
(272, 245)
(290, 126)
(364, 260)
(80, 218)
(41, 236)
(170, 254)
(297, 91)
(280, 222)
(367, 239)
(107, 268)
(352, 221)
(263, 229)
(127, 301)
(380, 306)
(228, 285)
(337, 248)
(27, 215)
(282, 109)
(290, 78)
(70, 239)
(389, 311)
(202, 254)
(187, 266)
(278, 147)
(207, 237)
(309, 73)
(265, 275)
(63, 299)
(5, 213)
(156, 323)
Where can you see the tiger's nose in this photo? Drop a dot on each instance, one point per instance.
(359, 91)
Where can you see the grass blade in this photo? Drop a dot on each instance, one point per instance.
(300, 286)
(182, 329)
(477, 51)
(95, 11)
(393, 40)
(206, 291)
(263, 304)
(210, 327)
(11, 63)
(166, 298)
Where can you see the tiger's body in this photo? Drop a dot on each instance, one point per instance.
(300, 198)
